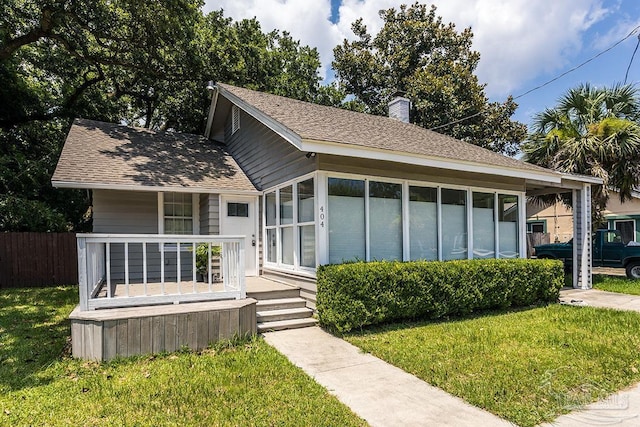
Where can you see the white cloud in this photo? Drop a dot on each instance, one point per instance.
(518, 40)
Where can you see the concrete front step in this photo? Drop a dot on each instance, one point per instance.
(284, 314)
(279, 325)
(280, 303)
(275, 294)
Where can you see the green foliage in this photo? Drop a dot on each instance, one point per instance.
(355, 295)
(202, 256)
(619, 284)
(415, 52)
(28, 202)
(122, 61)
(592, 131)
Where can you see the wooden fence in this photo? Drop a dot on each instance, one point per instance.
(535, 239)
(38, 259)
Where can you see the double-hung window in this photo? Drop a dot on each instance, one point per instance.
(178, 213)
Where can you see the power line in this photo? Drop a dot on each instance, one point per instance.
(634, 31)
(631, 61)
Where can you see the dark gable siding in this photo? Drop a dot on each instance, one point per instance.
(263, 155)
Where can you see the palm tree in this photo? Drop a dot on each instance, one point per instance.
(592, 131)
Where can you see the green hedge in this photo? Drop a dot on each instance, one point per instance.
(359, 294)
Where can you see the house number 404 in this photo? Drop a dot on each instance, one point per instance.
(321, 216)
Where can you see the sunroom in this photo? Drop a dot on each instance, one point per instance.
(357, 217)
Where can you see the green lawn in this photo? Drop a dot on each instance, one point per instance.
(248, 383)
(618, 284)
(525, 366)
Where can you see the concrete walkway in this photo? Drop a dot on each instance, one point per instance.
(602, 299)
(378, 392)
(622, 408)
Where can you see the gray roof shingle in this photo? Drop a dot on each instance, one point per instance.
(329, 124)
(110, 154)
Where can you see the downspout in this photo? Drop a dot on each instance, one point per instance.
(212, 108)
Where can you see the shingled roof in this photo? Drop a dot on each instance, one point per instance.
(98, 154)
(334, 125)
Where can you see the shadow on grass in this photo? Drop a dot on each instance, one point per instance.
(408, 324)
(34, 329)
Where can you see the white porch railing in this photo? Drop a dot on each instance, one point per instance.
(124, 270)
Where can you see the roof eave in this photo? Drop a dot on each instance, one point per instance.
(152, 188)
(587, 179)
(324, 147)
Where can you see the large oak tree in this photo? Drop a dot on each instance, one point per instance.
(141, 62)
(433, 64)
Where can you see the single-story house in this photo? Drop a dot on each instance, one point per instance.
(557, 220)
(294, 185)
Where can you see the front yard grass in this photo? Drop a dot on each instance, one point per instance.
(526, 366)
(619, 284)
(241, 383)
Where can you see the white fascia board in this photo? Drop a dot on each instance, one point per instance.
(286, 133)
(124, 187)
(581, 178)
(419, 160)
(212, 109)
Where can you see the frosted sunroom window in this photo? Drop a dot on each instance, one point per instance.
(423, 223)
(454, 224)
(385, 214)
(484, 230)
(346, 220)
(508, 226)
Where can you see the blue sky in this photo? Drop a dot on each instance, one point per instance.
(522, 43)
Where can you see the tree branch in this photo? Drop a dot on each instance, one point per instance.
(44, 29)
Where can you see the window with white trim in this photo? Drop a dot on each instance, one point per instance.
(290, 225)
(178, 213)
(235, 119)
(368, 220)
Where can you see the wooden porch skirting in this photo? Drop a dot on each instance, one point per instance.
(105, 334)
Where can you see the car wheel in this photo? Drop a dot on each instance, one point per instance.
(633, 270)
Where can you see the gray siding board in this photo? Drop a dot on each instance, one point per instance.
(204, 214)
(213, 213)
(125, 212)
(263, 155)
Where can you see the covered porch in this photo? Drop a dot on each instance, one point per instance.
(153, 293)
(580, 188)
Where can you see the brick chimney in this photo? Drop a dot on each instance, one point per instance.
(399, 107)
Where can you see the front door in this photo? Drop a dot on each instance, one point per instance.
(238, 217)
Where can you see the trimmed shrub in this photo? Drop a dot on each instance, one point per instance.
(359, 294)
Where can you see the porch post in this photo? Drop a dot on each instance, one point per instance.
(582, 237)
(82, 273)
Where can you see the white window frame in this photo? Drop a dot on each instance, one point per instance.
(324, 256)
(278, 265)
(195, 209)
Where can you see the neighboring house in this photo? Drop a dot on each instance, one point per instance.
(557, 220)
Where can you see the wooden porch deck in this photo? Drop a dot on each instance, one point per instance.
(107, 333)
(254, 284)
